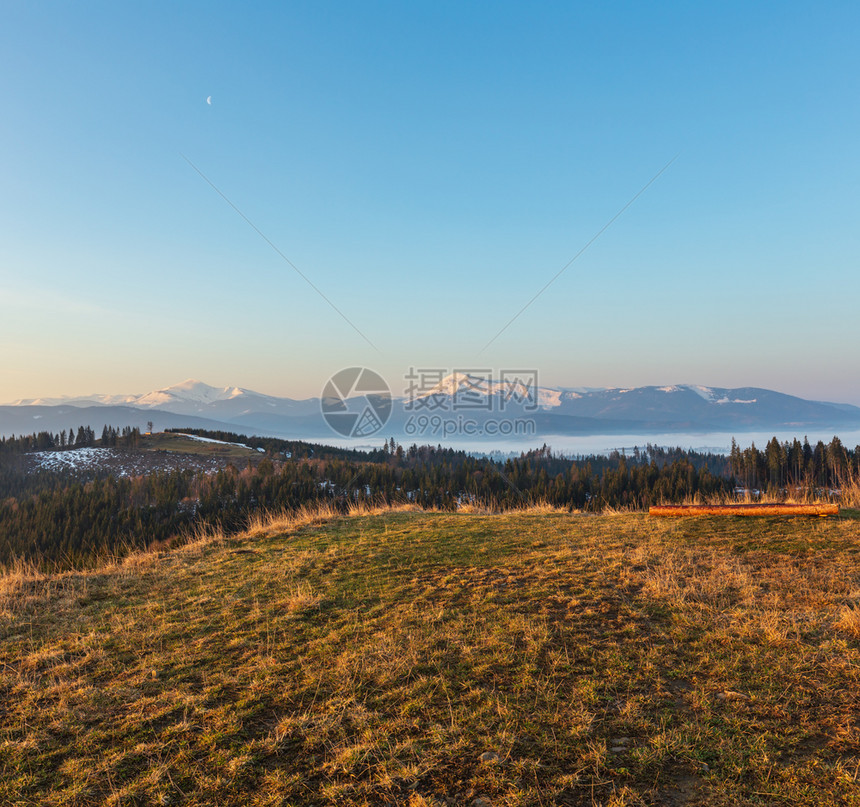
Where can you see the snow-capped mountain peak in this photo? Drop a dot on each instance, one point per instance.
(454, 383)
(509, 389)
(559, 410)
(190, 391)
(468, 385)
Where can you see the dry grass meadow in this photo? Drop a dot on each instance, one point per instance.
(409, 658)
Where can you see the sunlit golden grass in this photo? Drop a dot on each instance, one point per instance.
(408, 658)
(266, 522)
(849, 494)
(493, 508)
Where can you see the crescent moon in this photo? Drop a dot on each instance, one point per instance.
(209, 100)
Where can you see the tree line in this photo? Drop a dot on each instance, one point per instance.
(113, 437)
(795, 465)
(66, 521)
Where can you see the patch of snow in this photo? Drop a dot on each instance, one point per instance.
(189, 391)
(471, 386)
(510, 390)
(452, 383)
(549, 397)
(154, 398)
(210, 440)
(74, 459)
(96, 399)
(703, 392)
(711, 395)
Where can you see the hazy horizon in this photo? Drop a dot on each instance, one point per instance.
(395, 391)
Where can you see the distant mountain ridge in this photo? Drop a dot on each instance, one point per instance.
(555, 410)
(681, 405)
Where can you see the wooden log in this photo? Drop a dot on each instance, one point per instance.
(744, 510)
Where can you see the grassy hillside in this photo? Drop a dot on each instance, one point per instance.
(431, 659)
(180, 443)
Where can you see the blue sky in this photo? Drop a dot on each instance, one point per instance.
(429, 167)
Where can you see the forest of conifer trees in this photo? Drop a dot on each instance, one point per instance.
(63, 520)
